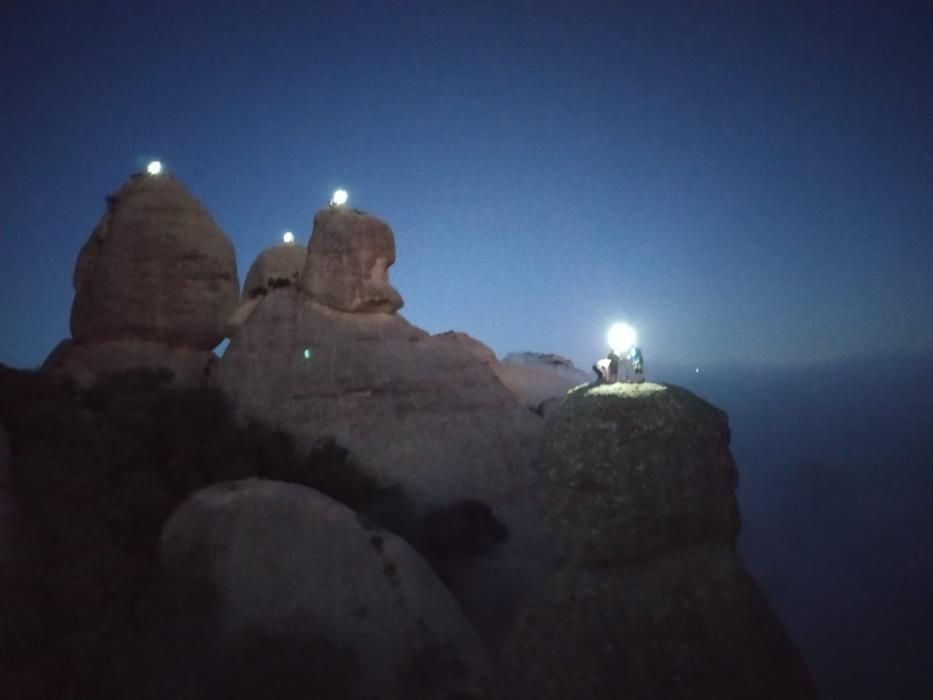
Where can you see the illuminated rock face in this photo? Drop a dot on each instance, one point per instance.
(348, 262)
(156, 268)
(287, 561)
(629, 470)
(274, 268)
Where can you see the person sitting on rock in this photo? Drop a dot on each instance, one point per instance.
(607, 369)
(601, 367)
(638, 363)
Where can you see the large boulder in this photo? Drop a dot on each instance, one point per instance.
(535, 378)
(287, 561)
(275, 267)
(156, 268)
(629, 470)
(348, 262)
(413, 410)
(694, 625)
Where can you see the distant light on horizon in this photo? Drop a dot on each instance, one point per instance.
(339, 199)
(621, 337)
(288, 237)
(154, 167)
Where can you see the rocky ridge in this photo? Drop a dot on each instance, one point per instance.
(331, 357)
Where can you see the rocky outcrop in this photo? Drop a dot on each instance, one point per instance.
(154, 286)
(536, 378)
(478, 349)
(690, 625)
(637, 484)
(156, 268)
(630, 470)
(533, 378)
(275, 267)
(348, 262)
(414, 410)
(287, 560)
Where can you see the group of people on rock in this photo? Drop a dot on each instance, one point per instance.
(607, 369)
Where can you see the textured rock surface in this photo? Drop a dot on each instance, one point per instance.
(87, 362)
(280, 265)
(536, 377)
(348, 262)
(475, 347)
(692, 626)
(413, 410)
(629, 470)
(285, 558)
(156, 268)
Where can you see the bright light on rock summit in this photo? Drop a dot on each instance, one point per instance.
(621, 337)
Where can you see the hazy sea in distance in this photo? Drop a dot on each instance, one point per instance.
(836, 492)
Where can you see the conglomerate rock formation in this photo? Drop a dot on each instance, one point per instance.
(277, 266)
(630, 470)
(154, 285)
(414, 410)
(348, 262)
(637, 484)
(286, 560)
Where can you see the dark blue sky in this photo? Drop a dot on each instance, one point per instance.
(743, 183)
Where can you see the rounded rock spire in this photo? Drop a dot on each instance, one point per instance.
(349, 256)
(156, 268)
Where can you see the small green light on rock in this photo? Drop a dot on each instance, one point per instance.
(307, 353)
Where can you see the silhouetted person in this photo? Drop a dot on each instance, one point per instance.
(613, 366)
(638, 363)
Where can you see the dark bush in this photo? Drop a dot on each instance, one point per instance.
(466, 529)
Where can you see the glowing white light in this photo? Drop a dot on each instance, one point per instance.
(288, 237)
(621, 337)
(154, 167)
(339, 198)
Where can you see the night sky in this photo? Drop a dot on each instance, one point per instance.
(745, 184)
